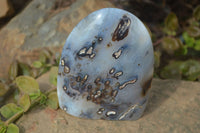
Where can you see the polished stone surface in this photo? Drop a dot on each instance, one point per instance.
(106, 67)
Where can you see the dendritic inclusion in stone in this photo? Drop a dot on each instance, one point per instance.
(106, 67)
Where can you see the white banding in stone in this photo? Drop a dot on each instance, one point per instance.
(62, 62)
(112, 71)
(100, 111)
(126, 83)
(109, 113)
(92, 55)
(85, 78)
(65, 88)
(89, 51)
(118, 74)
(82, 51)
(117, 54)
(128, 111)
(66, 69)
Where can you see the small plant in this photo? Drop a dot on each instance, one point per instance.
(178, 56)
(26, 90)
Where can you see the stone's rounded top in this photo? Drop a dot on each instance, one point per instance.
(106, 67)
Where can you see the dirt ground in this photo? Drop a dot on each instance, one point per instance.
(173, 107)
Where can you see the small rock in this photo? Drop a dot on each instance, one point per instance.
(41, 24)
(6, 9)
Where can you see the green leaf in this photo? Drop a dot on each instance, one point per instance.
(1, 123)
(196, 12)
(13, 70)
(35, 72)
(24, 69)
(157, 55)
(172, 70)
(27, 85)
(189, 41)
(194, 76)
(45, 69)
(171, 22)
(52, 100)
(169, 32)
(193, 22)
(16, 95)
(34, 96)
(43, 99)
(191, 70)
(57, 57)
(193, 31)
(43, 58)
(12, 128)
(37, 64)
(2, 129)
(170, 45)
(197, 45)
(185, 35)
(24, 102)
(45, 55)
(182, 51)
(3, 89)
(53, 75)
(9, 110)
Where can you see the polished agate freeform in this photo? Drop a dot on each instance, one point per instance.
(106, 67)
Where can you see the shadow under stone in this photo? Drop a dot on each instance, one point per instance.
(160, 91)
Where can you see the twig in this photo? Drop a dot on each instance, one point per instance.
(34, 102)
(13, 118)
(49, 91)
(157, 42)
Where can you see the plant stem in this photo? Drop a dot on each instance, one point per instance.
(17, 115)
(13, 118)
(34, 102)
(157, 42)
(49, 91)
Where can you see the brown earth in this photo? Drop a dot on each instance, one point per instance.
(6, 9)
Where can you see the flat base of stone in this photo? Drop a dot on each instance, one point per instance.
(174, 106)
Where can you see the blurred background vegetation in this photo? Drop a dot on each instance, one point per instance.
(175, 31)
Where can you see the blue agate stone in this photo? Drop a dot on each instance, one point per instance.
(106, 67)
